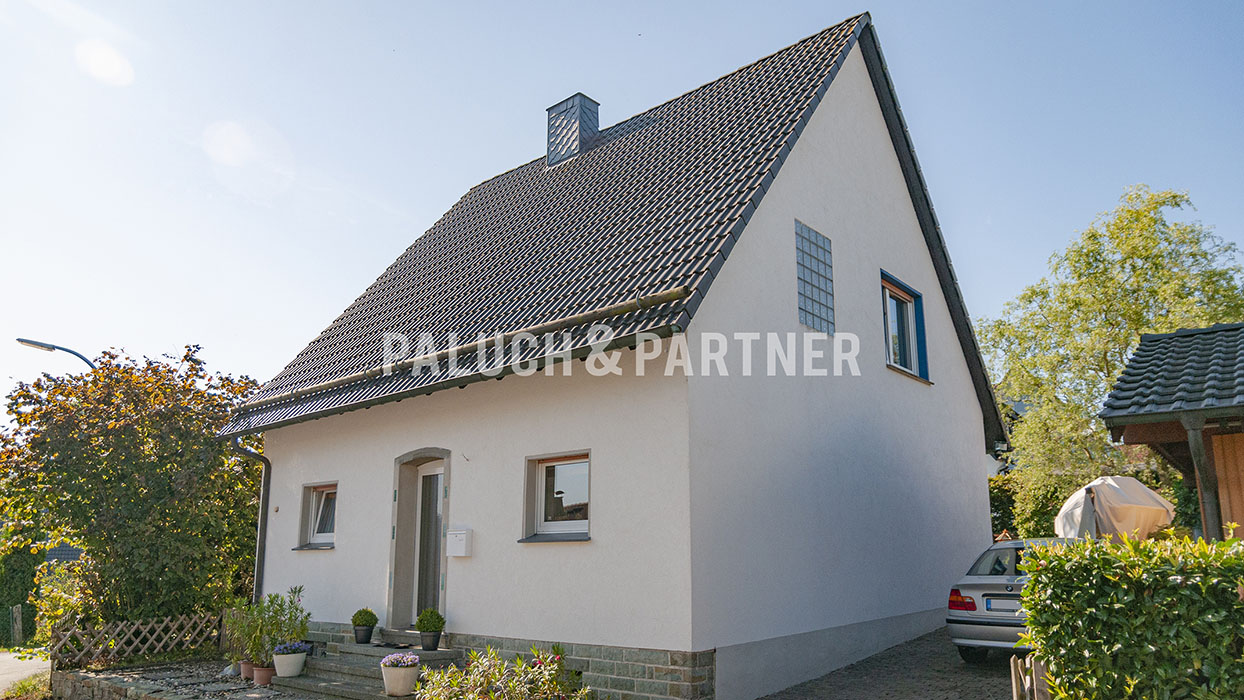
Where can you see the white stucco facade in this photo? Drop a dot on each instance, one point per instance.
(793, 524)
(629, 586)
(823, 502)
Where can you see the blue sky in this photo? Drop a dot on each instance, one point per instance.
(233, 174)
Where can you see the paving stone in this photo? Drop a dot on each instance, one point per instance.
(219, 687)
(253, 693)
(164, 675)
(926, 668)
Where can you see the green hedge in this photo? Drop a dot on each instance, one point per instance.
(1139, 619)
(17, 580)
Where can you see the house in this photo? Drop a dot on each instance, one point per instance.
(1182, 394)
(694, 534)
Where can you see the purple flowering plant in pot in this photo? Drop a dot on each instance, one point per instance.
(401, 672)
(290, 658)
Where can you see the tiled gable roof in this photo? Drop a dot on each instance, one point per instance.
(654, 205)
(1198, 369)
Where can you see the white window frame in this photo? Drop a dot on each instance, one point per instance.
(315, 503)
(889, 292)
(543, 527)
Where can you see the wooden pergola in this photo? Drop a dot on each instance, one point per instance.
(1182, 394)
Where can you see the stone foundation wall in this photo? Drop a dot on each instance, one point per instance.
(618, 673)
(78, 685)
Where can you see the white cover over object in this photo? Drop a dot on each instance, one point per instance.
(1119, 504)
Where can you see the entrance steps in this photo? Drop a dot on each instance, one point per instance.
(352, 671)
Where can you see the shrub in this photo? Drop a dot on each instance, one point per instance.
(66, 592)
(1138, 619)
(364, 617)
(430, 620)
(17, 580)
(544, 678)
(125, 462)
(400, 660)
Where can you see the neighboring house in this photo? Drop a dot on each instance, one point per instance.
(776, 526)
(1182, 394)
(63, 552)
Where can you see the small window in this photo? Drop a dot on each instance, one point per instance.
(321, 514)
(814, 264)
(560, 487)
(903, 316)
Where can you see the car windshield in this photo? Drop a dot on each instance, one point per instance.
(998, 562)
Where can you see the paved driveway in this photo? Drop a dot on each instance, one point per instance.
(14, 669)
(926, 668)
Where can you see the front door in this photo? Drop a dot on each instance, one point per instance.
(429, 537)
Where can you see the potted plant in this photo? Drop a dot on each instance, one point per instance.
(239, 626)
(364, 622)
(430, 624)
(258, 647)
(289, 658)
(400, 672)
(275, 619)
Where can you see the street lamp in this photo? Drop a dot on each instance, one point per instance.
(48, 347)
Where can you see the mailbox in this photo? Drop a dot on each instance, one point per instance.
(458, 543)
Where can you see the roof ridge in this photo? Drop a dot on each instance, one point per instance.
(1192, 331)
(791, 47)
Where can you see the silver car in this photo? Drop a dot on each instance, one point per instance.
(984, 607)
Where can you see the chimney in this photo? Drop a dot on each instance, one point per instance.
(573, 124)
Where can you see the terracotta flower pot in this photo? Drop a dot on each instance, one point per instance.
(263, 675)
(289, 665)
(248, 669)
(399, 680)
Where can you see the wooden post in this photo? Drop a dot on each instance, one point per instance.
(1018, 691)
(15, 621)
(1207, 480)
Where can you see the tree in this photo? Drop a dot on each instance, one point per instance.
(124, 462)
(1060, 345)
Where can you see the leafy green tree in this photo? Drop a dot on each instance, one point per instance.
(123, 461)
(1002, 503)
(1060, 344)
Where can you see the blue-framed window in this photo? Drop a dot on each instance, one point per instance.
(902, 309)
(814, 263)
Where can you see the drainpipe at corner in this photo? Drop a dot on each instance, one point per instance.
(261, 534)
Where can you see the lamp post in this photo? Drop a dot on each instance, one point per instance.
(48, 347)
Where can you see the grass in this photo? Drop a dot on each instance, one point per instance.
(36, 687)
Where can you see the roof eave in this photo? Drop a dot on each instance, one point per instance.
(996, 439)
(625, 341)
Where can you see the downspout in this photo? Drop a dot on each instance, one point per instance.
(261, 534)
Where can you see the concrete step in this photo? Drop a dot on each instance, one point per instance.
(373, 650)
(358, 689)
(345, 668)
(342, 668)
(410, 637)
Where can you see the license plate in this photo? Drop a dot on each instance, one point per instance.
(1002, 604)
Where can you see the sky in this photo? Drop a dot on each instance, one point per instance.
(233, 174)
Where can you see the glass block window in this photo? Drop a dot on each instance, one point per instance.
(815, 263)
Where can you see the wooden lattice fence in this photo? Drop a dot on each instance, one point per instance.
(75, 646)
